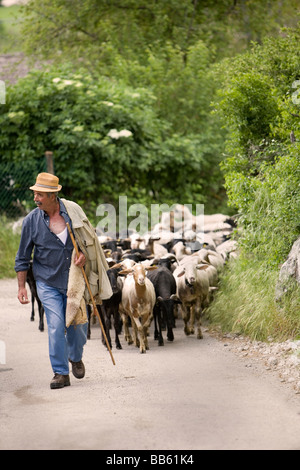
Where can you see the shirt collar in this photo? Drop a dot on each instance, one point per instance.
(62, 209)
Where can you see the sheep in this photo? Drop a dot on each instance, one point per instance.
(110, 308)
(193, 291)
(111, 305)
(34, 296)
(183, 212)
(208, 256)
(227, 249)
(180, 250)
(138, 300)
(165, 290)
(168, 261)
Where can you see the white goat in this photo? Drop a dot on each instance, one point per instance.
(193, 291)
(138, 300)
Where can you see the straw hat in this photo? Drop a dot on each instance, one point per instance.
(45, 182)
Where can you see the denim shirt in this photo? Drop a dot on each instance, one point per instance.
(51, 258)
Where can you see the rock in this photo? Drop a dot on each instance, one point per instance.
(289, 272)
(294, 360)
(272, 361)
(284, 358)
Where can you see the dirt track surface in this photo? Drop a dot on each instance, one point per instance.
(188, 395)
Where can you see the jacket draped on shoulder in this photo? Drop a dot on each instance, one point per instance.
(95, 268)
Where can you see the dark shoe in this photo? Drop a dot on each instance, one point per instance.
(78, 369)
(60, 381)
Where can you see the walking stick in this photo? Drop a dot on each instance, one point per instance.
(91, 295)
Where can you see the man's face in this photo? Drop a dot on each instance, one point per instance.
(44, 201)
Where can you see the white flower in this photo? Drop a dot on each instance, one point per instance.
(108, 103)
(114, 134)
(68, 82)
(125, 133)
(16, 117)
(78, 129)
(56, 80)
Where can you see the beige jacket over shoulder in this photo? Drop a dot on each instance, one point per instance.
(95, 268)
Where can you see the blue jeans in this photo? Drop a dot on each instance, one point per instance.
(64, 343)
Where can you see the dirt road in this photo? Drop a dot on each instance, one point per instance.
(187, 395)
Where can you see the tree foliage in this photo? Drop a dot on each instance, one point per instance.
(262, 168)
(130, 27)
(169, 48)
(106, 138)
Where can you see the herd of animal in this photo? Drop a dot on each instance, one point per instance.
(163, 274)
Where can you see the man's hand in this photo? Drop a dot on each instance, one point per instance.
(22, 295)
(22, 291)
(80, 260)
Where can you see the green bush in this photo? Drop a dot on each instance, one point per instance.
(106, 139)
(9, 244)
(269, 205)
(261, 167)
(262, 179)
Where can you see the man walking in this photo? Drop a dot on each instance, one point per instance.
(45, 232)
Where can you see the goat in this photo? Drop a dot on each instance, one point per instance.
(34, 296)
(180, 250)
(193, 291)
(138, 300)
(165, 289)
(110, 308)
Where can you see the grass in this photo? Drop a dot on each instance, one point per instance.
(10, 39)
(9, 243)
(245, 303)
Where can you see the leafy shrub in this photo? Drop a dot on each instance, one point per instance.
(106, 139)
(9, 243)
(269, 205)
(262, 178)
(261, 167)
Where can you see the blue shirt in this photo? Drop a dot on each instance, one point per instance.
(51, 258)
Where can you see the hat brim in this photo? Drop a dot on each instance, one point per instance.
(42, 189)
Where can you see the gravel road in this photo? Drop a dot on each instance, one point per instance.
(188, 395)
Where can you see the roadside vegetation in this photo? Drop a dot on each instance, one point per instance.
(260, 105)
(245, 304)
(9, 243)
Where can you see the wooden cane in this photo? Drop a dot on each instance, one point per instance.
(91, 295)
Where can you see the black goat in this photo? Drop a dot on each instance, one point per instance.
(34, 297)
(163, 312)
(110, 308)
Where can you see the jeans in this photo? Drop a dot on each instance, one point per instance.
(64, 343)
